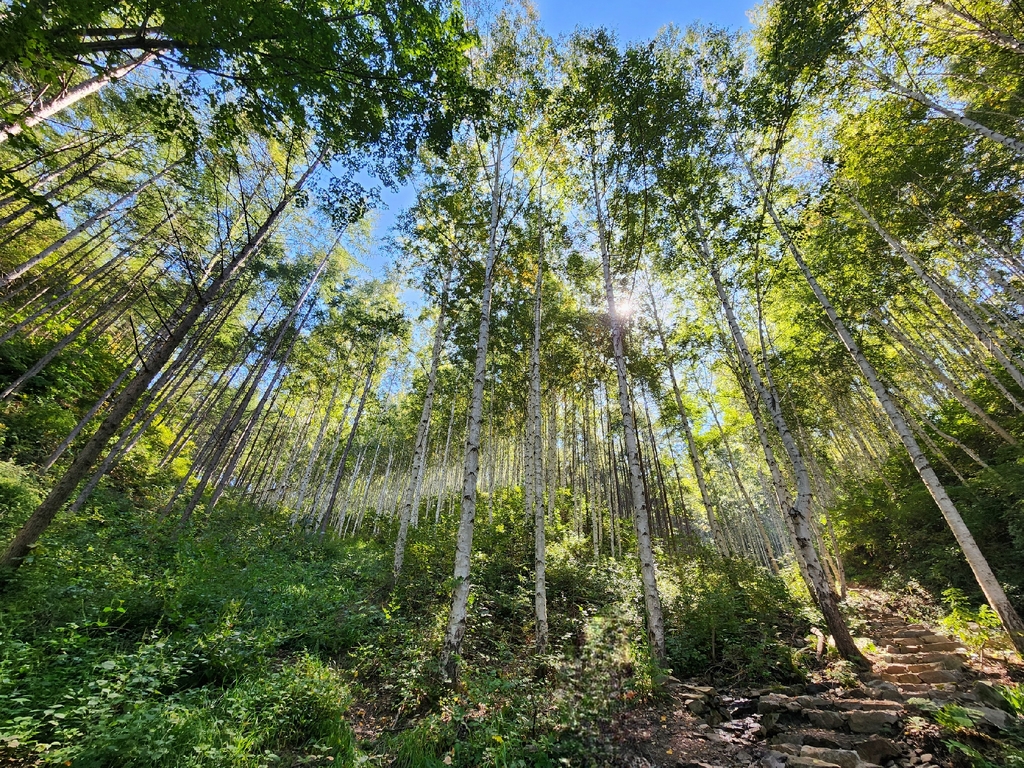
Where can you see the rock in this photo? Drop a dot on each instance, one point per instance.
(826, 739)
(938, 676)
(845, 758)
(989, 716)
(881, 685)
(787, 739)
(773, 702)
(700, 690)
(870, 722)
(877, 749)
(906, 634)
(789, 749)
(811, 702)
(822, 718)
(809, 762)
(769, 723)
(989, 696)
(742, 707)
(927, 758)
(816, 688)
(696, 707)
(742, 756)
(947, 646)
(888, 706)
(773, 760)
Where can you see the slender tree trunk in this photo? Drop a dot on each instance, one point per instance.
(370, 370)
(25, 266)
(443, 490)
(980, 29)
(270, 390)
(731, 460)
(950, 386)
(64, 488)
(314, 452)
(798, 516)
(1015, 146)
(48, 109)
(641, 520)
(420, 450)
(951, 302)
(691, 444)
(535, 469)
(456, 629)
(990, 586)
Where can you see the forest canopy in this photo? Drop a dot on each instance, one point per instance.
(676, 343)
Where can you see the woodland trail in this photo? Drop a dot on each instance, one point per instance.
(874, 722)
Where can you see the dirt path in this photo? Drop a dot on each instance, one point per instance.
(823, 725)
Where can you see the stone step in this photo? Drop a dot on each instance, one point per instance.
(907, 678)
(917, 688)
(948, 660)
(799, 761)
(868, 721)
(948, 645)
(815, 737)
(827, 719)
(902, 669)
(848, 705)
(844, 758)
(940, 676)
(930, 648)
(934, 639)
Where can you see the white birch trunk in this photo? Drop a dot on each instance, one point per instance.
(1015, 146)
(48, 109)
(25, 266)
(456, 628)
(990, 586)
(535, 470)
(951, 302)
(641, 519)
(691, 444)
(798, 514)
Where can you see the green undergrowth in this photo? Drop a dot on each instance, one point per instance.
(243, 642)
(971, 743)
(122, 646)
(731, 621)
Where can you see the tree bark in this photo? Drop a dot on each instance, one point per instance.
(535, 469)
(420, 450)
(48, 109)
(456, 628)
(641, 519)
(25, 266)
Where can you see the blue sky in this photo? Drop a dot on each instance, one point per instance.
(638, 19)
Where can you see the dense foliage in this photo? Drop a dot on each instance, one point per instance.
(673, 341)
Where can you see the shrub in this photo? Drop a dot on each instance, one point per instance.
(729, 619)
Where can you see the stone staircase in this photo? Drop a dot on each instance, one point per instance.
(862, 726)
(913, 667)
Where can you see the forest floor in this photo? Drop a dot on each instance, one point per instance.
(251, 645)
(874, 718)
